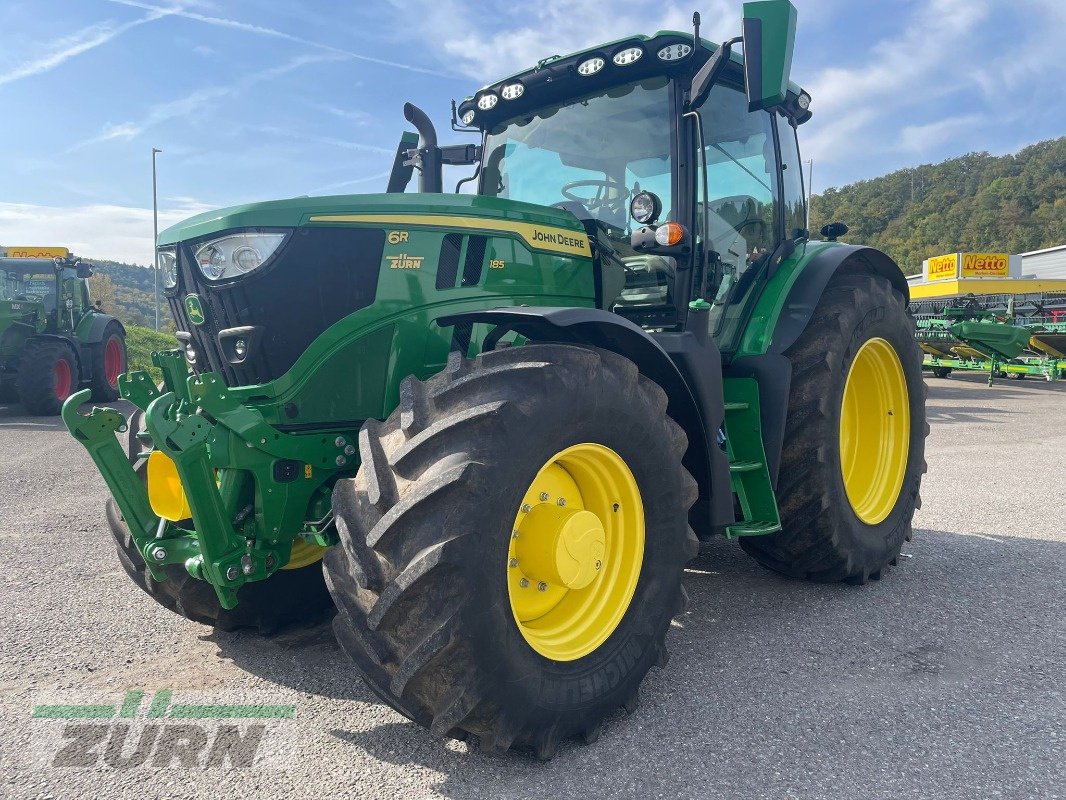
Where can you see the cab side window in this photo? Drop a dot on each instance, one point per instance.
(741, 180)
(795, 201)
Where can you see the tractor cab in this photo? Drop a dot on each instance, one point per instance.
(682, 167)
(35, 286)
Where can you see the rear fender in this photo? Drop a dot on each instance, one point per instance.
(782, 313)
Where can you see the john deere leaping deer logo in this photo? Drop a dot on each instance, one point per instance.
(195, 309)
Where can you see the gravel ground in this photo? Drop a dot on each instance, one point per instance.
(945, 679)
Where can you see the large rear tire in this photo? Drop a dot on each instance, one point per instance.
(436, 596)
(854, 448)
(48, 375)
(289, 597)
(109, 361)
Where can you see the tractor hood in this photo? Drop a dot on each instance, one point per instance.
(298, 212)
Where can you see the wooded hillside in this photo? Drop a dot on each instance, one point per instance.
(977, 202)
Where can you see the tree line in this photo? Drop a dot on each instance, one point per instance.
(977, 203)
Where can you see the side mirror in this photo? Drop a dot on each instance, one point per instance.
(84, 270)
(769, 39)
(833, 231)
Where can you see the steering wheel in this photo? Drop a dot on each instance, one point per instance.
(600, 200)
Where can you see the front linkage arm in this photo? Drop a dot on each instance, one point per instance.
(218, 445)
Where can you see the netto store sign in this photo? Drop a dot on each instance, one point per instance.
(972, 265)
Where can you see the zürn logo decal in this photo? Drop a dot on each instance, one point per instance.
(195, 309)
(155, 731)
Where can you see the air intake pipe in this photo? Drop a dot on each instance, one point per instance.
(428, 155)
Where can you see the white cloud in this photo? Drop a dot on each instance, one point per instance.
(360, 118)
(922, 139)
(959, 75)
(331, 188)
(120, 233)
(74, 45)
(489, 40)
(190, 103)
(344, 144)
(263, 30)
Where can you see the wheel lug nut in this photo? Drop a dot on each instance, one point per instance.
(526, 508)
(524, 582)
(542, 587)
(599, 564)
(513, 563)
(544, 496)
(514, 534)
(561, 501)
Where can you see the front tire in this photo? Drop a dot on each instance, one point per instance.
(427, 573)
(48, 375)
(854, 448)
(288, 597)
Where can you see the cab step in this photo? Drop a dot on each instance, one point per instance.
(748, 471)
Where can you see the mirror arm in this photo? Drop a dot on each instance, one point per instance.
(709, 73)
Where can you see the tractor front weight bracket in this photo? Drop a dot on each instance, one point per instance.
(250, 488)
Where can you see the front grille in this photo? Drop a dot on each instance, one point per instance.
(320, 276)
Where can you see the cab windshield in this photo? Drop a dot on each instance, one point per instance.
(590, 156)
(26, 284)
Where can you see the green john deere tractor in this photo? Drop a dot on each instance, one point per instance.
(52, 339)
(504, 420)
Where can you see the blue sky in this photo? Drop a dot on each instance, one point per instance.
(261, 99)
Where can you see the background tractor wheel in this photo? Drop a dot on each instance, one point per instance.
(48, 375)
(854, 449)
(941, 372)
(109, 361)
(492, 577)
(288, 597)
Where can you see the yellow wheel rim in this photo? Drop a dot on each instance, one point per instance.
(304, 554)
(875, 429)
(575, 553)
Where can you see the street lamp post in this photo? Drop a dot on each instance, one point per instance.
(155, 236)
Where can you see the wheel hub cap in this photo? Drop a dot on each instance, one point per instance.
(561, 546)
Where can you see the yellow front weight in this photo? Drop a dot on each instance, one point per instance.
(165, 492)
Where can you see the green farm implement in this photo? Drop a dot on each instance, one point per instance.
(52, 339)
(503, 420)
(971, 337)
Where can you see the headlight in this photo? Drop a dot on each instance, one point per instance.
(468, 117)
(590, 66)
(675, 52)
(168, 267)
(237, 254)
(487, 101)
(645, 207)
(624, 58)
(512, 91)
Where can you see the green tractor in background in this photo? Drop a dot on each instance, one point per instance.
(504, 420)
(52, 339)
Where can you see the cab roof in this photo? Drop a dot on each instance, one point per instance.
(554, 79)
